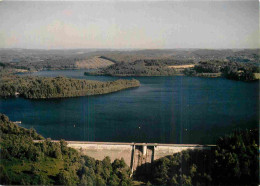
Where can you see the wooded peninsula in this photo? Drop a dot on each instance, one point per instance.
(161, 67)
(59, 87)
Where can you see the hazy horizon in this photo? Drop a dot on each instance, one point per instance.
(127, 49)
(129, 25)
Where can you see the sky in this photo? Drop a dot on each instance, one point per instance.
(129, 24)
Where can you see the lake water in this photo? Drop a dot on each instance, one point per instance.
(163, 110)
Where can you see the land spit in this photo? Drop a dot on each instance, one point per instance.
(134, 154)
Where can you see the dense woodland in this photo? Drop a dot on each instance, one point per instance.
(48, 163)
(229, 70)
(45, 87)
(142, 68)
(234, 161)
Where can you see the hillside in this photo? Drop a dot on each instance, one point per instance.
(72, 59)
(165, 67)
(93, 63)
(196, 55)
(234, 161)
(145, 68)
(23, 162)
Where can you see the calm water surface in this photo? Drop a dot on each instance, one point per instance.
(163, 110)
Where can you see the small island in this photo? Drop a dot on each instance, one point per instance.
(59, 87)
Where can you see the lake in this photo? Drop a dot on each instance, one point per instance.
(162, 110)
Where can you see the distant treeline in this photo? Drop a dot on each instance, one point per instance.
(244, 55)
(234, 161)
(23, 162)
(230, 70)
(142, 68)
(66, 59)
(45, 87)
(160, 67)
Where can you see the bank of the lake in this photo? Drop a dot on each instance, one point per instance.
(163, 110)
(32, 87)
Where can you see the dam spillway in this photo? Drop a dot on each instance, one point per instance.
(134, 154)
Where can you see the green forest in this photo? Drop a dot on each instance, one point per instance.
(142, 68)
(234, 161)
(161, 67)
(49, 163)
(230, 70)
(45, 87)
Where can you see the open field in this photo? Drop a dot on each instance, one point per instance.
(209, 75)
(92, 63)
(257, 75)
(181, 66)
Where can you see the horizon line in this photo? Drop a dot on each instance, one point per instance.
(14, 48)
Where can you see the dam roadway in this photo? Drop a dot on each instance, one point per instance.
(134, 154)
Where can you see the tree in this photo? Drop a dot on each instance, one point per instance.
(114, 180)
(107, 168)
(100, 181)
(64, 178)
(236, 159)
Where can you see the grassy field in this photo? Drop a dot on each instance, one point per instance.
(257, 75)
(92, 63)
(181, 66)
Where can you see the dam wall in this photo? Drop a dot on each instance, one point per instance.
(134, 154)
(166, 150)
(100, 150)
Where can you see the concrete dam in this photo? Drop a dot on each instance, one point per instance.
(134, 154)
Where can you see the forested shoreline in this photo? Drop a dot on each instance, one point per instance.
(48, 163)
(230, 70)
(240, 65)
(59, 87)
(142, 68)
(234, 161)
